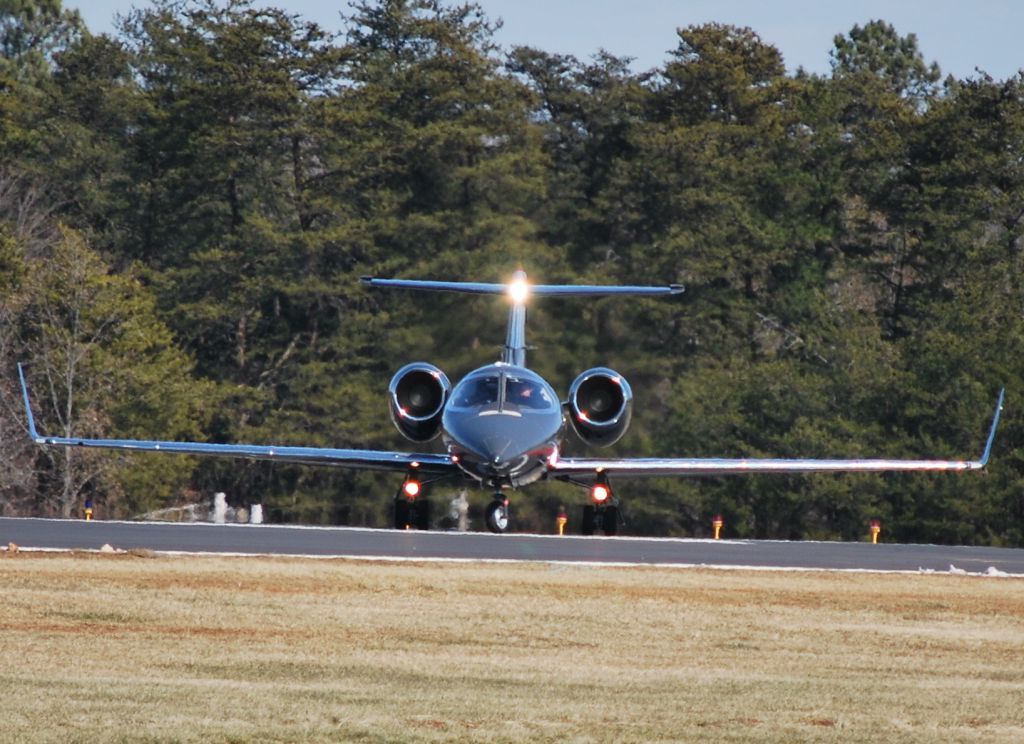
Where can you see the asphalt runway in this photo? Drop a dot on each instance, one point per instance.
(412, 545)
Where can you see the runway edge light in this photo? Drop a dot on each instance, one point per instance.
(876, 527)
(716, 523)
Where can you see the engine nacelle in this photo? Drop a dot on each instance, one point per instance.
(416, 397)
(600, 406)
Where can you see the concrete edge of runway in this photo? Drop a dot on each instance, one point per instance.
(732, 542)
(990, 573)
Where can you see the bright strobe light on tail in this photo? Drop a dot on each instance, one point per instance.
(519, 289)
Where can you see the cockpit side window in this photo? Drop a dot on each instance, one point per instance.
(479, 391)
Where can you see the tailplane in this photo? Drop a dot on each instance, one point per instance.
(518, 284)
(519, 290)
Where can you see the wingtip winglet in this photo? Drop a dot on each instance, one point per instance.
(28, 406)
(992, 431)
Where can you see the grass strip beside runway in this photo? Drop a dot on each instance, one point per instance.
(155, 648)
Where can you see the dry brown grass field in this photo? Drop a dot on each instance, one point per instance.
(198, 649)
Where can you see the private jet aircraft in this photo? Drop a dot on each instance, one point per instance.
(502, 425)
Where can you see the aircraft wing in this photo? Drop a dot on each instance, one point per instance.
(583, 467)
(347, 458)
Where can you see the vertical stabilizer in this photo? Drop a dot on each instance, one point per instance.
(515, 336)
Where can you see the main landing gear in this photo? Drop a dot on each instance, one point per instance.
(412, 509)
(497, 514)
(603, 513)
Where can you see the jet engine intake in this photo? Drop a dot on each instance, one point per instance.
(600, 406)
(417, 395)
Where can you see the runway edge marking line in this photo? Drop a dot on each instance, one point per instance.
(582, 564)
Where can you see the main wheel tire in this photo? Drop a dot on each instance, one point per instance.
(610, 520)
(497, 516)
(422, 514)
(587, 524)
(401, 514)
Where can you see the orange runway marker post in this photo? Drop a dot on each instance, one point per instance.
(876, 527)
(717, 523)
(562, 519)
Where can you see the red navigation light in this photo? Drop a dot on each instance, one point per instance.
(411, 488)
(600, 493)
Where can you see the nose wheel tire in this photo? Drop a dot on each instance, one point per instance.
(497, 516)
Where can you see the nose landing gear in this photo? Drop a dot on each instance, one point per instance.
(497, 514)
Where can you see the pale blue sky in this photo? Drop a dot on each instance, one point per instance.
(958, 34)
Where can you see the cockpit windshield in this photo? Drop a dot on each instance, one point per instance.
(527, 393)
(478, 391)
(510, 390)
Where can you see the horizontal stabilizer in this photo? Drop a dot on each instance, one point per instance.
(542, 290)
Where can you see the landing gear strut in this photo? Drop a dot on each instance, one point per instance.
(412, 509)
(603, 513)
(497, 514)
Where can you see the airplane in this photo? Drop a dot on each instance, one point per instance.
(503, 426)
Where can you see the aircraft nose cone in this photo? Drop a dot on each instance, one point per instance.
(498, 449)
(499, 441)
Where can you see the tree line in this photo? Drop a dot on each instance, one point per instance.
(186, 206)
